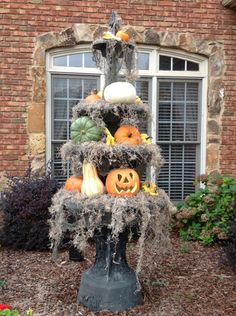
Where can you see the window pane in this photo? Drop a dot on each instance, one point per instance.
(191, 132)
(190, 153)
(176, 191)
(177, 132)
(165, 62)
(142, 90)
(143, 61)
(75, 60)
(56, 154)
(60, 61)
(59, 88)
(75, 88)
(163, 132)
(178, 64)
(60, 109)
(88, 60)
(164, 91)
(72, 103)
(178, 91)
(179, 170)
(178, 112)
(60, 130)
(176, 172)
(191, 66)
(192, 112)
(164, 111)
(192, 92)
(59, 173)
(88, 86)
(176, 153)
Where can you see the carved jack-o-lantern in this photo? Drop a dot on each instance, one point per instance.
(123, 182)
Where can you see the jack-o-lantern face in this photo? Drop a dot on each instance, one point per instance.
(123, 182)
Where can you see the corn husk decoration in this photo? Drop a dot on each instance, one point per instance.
(150, 188)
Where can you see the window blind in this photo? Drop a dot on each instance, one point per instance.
(178, 135)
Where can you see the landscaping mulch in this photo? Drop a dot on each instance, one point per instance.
(193, 280)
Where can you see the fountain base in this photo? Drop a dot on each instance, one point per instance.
(110, 284)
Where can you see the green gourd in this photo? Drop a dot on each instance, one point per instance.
(84, 129)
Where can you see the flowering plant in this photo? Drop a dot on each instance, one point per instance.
(6, 310)
(205, 214)
(4, 306)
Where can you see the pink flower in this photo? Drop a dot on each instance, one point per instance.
(4, 306)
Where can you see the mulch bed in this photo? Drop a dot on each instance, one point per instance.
(193, 280)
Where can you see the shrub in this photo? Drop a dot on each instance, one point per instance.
(230, 246)
(204, 215)
(25, 207)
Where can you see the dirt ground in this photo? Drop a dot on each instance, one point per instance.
(193, 280)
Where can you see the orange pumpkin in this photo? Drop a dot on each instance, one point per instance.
(74, 183)
(123, 182)
(128, 134)
(123, 36)
(93, 96)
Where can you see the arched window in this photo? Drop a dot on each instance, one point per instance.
(174, 84)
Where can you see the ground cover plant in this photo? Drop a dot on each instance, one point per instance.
(205, 215)
(25, 206)
(189, 281)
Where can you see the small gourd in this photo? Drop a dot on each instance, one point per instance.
(84, 129)
(123, 36)
(128, 134)
(94, 96)
(74, 183)
(120, 92)
(92, 185)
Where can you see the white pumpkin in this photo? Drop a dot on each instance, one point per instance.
(120, 92)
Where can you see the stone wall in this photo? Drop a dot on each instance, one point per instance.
(86, 33)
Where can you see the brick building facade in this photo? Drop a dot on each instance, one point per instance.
(32, 29)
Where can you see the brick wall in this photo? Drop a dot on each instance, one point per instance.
(22, 21)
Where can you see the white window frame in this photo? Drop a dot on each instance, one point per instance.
(153, 73)
(52, 70)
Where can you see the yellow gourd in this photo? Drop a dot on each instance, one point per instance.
(91, 185)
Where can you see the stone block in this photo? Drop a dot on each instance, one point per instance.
(151, 37)
(37, 143)
(187, 42)
(169, 39)
(39, 83)
(134, 35)
(84, 32)
(36, 122)
(39, 56)
(38, 165)
(212, 157)
(213, 127)
(67, 37)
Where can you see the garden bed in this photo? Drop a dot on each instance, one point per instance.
(194, 280)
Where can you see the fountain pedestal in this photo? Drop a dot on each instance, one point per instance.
(110, 284)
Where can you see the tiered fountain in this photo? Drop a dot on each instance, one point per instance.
(107, 206)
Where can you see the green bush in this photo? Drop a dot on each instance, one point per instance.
(204, 215)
